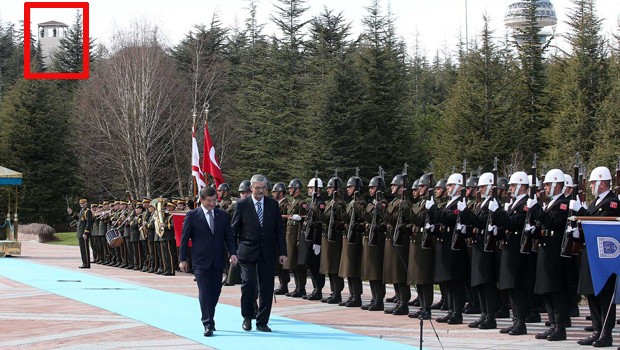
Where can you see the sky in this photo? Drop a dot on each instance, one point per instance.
(436, 23)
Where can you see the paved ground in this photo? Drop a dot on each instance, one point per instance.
(34, 319)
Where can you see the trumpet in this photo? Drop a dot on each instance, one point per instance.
(103, 213)
(73, 223)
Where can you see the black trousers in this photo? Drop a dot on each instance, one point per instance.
(300, 275)
(488, 297)
(209, 283)
(519, 303)
(355, 286)
(602, 308)
(558, 305)
(455, 295)
(377, 289)
(253, 273)
(166, 256)
(314, 265)
(403, 291)
(336, 283)
(84, 251)
(425, 295)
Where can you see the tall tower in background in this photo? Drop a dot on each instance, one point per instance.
(49, 34)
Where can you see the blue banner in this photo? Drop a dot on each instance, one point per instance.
(603, 244)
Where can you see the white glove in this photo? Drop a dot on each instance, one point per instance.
(429, 227)
(531, 202)
(493, 205)
(507, 206)
(575, 232)
(317, 249)
(296, 217)
(529, 228)
(463, 229)
(494, 230)
(461, 205)
(574, 205)
(429, 203)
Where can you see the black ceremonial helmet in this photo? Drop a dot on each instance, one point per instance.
(377, 182)
(355, 181)
(244, 186)
(334, 182)
(502, 183)
(472, 181)
(416, 184)
(295, 183)
(224, 187)
(279, 187)
(441, 183)
(425, 180)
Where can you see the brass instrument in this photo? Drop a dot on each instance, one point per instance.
(73, 223)
(102, 213)
(159, 204)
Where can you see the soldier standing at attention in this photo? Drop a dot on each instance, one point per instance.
(296, 207)
(85, 225)
(284, 275)
(331, 240)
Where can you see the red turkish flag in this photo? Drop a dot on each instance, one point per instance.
(210, 164)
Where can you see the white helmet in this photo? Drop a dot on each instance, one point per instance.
(554, 175)
(318, 180)
(600, 174)
(568, 181)
(486, 179)
(455, 179)
(520, 177)
(531, 183)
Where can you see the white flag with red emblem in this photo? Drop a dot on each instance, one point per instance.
(209, 160)
(196, 171)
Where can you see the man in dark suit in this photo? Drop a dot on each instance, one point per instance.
(210, 231)
(257, 224)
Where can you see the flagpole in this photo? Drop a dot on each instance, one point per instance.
(194, 184)
(205, 154)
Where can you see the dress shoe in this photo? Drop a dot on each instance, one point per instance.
(388, 310)
(263, 328)
(545, 334)
(455, 319)
(282, 290)
(471, 309)
(400, 310)
(315, 296)
(574, 311)
(84, 267)
(437, 305)
(488, 323)
(299, 293)
(425, 315)
(376, 307)
(367, 306)
(507, 330)
(208, 332)
(168, 274)
(477, 322)
(355, 302)
(518, 329)
(558, 334)
(502, 313)
(444, 319)
(392, 299)
(589, 340)
(150, 271)
(123, 266)
(324, 299)
(533, 317)
(247, 324)
(290, 294)
(334, 299)
(588, 328)
(604, 342)
(344, 302)
(129, 267)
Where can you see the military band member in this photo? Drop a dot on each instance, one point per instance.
(396, 250)
(372, 253)
(152, 238)
(284, 275)
(351, 257)
(104, 219)
(421, 253)
(331, 240)
(602, 306)
(84, 227)
(123, 227)
(513, 264)
(94, 237)
(134, 237)
(296, 208)
(167, 241)
(312, 231)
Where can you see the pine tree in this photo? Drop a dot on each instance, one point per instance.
(68, 57)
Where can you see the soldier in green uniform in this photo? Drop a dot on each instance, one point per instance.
(284, 275)
(373, 247)
(297, 207)
(84, 227)
(134, 237)
(223, 193)
(351, 257)
(167, 240)
(331, 240)
(421, 252)
(396, 250)
(104, 219)
(94, 237)
(312, 231)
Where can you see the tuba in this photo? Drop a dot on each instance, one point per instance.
(159, 215)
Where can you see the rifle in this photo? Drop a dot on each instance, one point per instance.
(350, 231)
(372, 232)
(618, 178)
(425, 241)
(399, 219)
(567, 240)
(489, 237)
(526, 236)
(330, 225)
(309, 222)
(456, 235)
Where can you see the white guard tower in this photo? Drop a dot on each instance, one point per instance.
(49, 34)
(545, 16)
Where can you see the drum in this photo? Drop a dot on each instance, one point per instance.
(114, 238)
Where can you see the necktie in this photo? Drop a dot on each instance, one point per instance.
(259, 212)
(210, 220)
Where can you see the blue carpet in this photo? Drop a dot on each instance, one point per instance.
(180, 314)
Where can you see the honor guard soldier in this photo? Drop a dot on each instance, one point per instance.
(331, 240)
(441, 197)
(312, 231)
(396, 250)
(223, 193)
(284, 275)
(602, 306)
(451, 255)
(471, 193)
(84, 227)
(167, 240)
(296, 208)
(351, 257)
(483, 259)
(421, 263)
(513, 264)
(373, 247)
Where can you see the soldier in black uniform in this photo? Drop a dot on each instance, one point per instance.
(331, 240)
(472, 306)
(513, 264)
(396, 250)
(602, 306)
(94, 237)
(372, 253)
(421, 253)
(297, 207)
(312, 231)
(552, 271)
(284, 275)
(483, 260)
(84, 227)
(450, 264)
(351, 257)
(441, 197)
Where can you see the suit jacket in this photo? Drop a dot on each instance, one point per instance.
(255, 240)
(207, 246)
